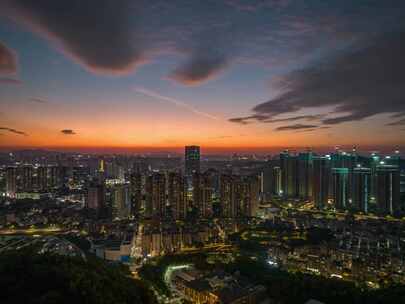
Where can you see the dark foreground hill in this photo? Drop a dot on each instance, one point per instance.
(26, 277)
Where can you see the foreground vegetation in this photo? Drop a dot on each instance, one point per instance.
(27, 277)
(282, 286)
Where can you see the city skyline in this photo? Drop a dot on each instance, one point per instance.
(230, 76)
(202, 151)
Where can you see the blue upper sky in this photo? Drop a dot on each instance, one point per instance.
(231, 73)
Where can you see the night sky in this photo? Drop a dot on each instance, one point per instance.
(230, 74)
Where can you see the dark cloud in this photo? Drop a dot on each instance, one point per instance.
(358, 84)
(8, 60)
(240, 120)
(296, 127)
(10, 81)
(115, 36)
(97, 33)
(202, 66)
(11, 130)
(295, 118)
(68, 132)
(38, 100)
(248, 119)
(266, 118)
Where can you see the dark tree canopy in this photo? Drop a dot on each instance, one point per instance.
(28, 278)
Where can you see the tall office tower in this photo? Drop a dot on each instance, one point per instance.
(42, 178)
(95, 197)
(192, 160)
(155, 192)
(122, 202)
(321, 177)
(289, 177)
(349, 160)
(250, 195)
(11, 182)
(340, 187)
(27, 178)
(135, 180)
(277, 176)
(229, 197)
(177, 195)
(203, 190)
(361, 188)
(305, 175)
(388, 184)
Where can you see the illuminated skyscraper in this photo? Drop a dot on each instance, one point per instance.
(277, 181)
(155, 193)
(239, 195)
(289, 174)
(321, 177)
(374, 163)
(53, 180)
(136, 192)
(42, 178)
(177, 195)
(340, 187)
(271, 181)
(229, 195)
(95, 197)
(192, 160)
(388, 185)
(305, 170)
(27, 172)
(122, 202)
(203, 190)
(11, 181)
(361, 188)
(250, 195)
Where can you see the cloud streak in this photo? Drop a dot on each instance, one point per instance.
(297, 127)
(175, 102)
(11, 130)
(266, 118)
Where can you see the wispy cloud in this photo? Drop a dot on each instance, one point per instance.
(267, 119)
(174, 101)
(38, 100)
(68, 132)
(297, 127)
(11, 130)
